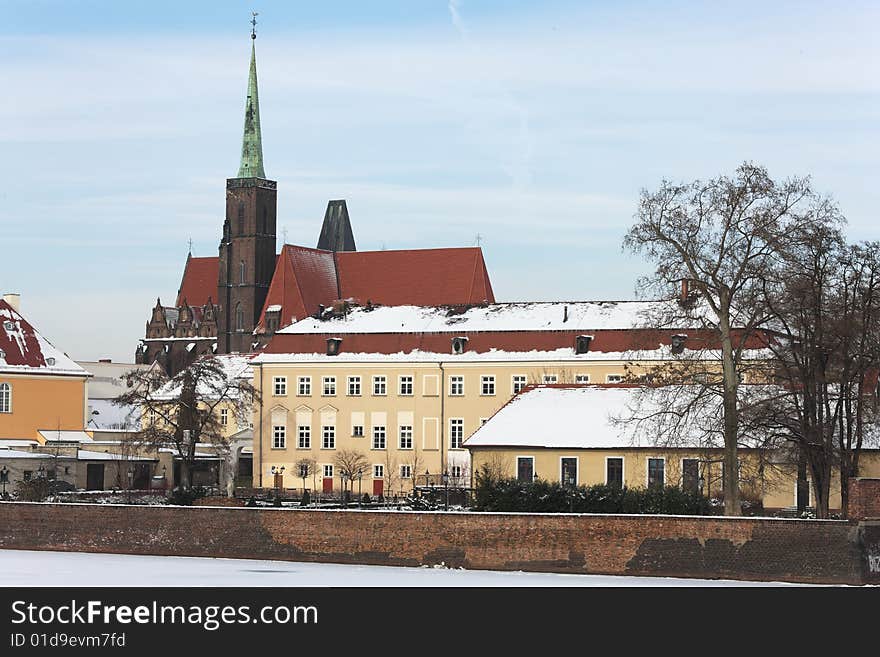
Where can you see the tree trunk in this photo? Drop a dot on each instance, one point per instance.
(184, 474)
(731, 418)
(803, 484)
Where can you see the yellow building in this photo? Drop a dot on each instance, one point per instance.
(405, 386)
(585, 436)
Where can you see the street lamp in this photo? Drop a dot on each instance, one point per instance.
(278, 481)
(4, 479)
(427, 475)
(360, 474)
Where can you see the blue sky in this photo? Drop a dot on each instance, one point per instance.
(534, 125)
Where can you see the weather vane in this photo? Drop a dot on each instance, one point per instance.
(254, 15)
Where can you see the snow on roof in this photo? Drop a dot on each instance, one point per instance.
(16, 442)
(17, 454)
(235, 366)
(23, 350)
(104, 415)
(53, 435)
(527, 316)
(563, 417)
(661, 353)
(86, 455)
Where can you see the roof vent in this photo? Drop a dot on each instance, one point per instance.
(333, 346)
(582, 344)
(50, 361)
(2, 354)
(678, 343)
(459, 344)
(9, 326)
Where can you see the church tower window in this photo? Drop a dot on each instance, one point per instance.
(241, 218)
(242, 272)
(239, 318)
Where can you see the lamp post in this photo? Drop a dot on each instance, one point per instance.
(446, 486)
(4, 479)
(360, 474)
(278, 481)
(427, 475)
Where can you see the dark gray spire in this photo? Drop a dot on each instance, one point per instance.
(336, 234)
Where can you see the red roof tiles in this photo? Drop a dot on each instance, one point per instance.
(199, 282)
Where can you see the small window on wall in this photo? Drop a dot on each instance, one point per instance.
(405, 386)
(304, 386)
(456, 386)
(456, 432)
(690, 475)
(224, 417)
(354, 386)
(569, 471)
(614, 471)
(487, 385)
(550, 378)
(380, 386)
(329, 386)
(357, 431)
(378, 437)
(279, 437)
(614, 378)
(525, 469)
(656, 472)
(456, 472)
(406, 472)
(305, 437)
(328, 437)
(378, 471)
(279, 386)
(519, 382)
(5, 397)
(328, 471)
(405, 437)
(582, 379)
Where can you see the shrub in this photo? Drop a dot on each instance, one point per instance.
(34, 490)
(182, 497)
(306, 498)
(366, 498)
(493, 494)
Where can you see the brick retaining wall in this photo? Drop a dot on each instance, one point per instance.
(739, 548)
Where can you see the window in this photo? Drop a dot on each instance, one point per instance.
(379, 385)
(406, 472)
(354, 386)
(239, 318)
(519, 382)
(279, 437)
(405, 436)
(242, 273)
(378, 471)
(456, 472)
(405, 385)
(305, 437)
(304, 386)
(241, 218)
(614, 378)
(357, 430)
(456, 432)
(279, 386)
(487, 385)
(690, 475)
(329, 386)
(568, 471)
(5, 397)
(328, 437)
(550, 378)
(582, 379)
(224, 417)
(656, 472)
(303, 470)
(525, 469)
(456, 386)
(378, 437)
(614, 471)
(328, 472)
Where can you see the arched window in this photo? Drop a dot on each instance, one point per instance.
(241, 218)
(5, 397)
(239, 318)
(242, 273)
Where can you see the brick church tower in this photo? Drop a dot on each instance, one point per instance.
(247, 249)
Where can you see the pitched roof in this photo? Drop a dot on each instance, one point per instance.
(199, 282)
(422, 277)
(25, 350)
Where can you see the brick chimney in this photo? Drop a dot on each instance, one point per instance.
(14, 300)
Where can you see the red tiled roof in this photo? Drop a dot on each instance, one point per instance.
(421, 277)
(199, 282)
(23, 347)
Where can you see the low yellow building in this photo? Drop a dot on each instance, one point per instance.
(585, 436)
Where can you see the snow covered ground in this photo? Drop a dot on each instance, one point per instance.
(32, 568)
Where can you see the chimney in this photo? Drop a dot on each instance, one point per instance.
(564, 314)
(14, 300)
(685, 291)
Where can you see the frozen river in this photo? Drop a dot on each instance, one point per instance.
(32, 568)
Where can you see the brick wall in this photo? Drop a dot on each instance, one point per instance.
(743, 548)
(864, 498)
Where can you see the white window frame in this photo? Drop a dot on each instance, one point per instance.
(453, 422)
(577, 469)
(584, 379)
(516, 466)
(380, 380)
(304, 386)
(400, 436)
(487, 381)
(224, 417)
(304, 436)
(279, 436)
(514, 383)
(327, 471)
(279, 386)
(456, 380)
(328, 383)
(550, 379)
(401, 381)
(648, 460)
(405, 471)
(622, 468)
(456, 471)
(608, 378)
(377, 436)
(378, 471)
(5, 397)
(356, 434)
(328, 433)
(354, 381)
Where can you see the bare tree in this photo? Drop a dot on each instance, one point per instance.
(416, 462)
(183, 412)
(350, 464)
(719, 238)
(305, 467)
(390, 472)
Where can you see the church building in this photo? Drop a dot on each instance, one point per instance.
(236, 301)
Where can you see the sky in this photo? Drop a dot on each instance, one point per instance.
(527, 127)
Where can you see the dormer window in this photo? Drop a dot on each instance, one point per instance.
(9, 326)
(678, 343)
(333, 345)
(459, 344)
(50, 361)
(582, 344)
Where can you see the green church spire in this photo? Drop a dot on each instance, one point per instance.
(252, 143)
